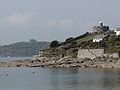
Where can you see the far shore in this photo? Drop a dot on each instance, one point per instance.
(65, 62)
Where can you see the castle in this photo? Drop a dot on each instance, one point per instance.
(100, 28)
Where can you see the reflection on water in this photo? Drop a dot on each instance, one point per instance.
(67, 78)
(58, 79)
(110, 80)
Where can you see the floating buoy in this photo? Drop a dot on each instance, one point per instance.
(6, 74)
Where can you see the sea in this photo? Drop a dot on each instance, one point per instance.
(59, 79)
(19, 78)
(4, 59)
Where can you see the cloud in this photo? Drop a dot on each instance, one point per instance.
(66, 23)
(26, 20)
(32, 25)
(63, 23)
(18, 18)
(52, 23)
(87, 26)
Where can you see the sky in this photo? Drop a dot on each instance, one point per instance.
(48, 20)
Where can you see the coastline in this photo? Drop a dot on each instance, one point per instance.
(66, 62)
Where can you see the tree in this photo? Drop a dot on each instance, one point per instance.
(68, 39)
(54, 44)
(33, 41)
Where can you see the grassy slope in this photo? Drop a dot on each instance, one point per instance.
(67, 45)
(87, 38)
(110, 42)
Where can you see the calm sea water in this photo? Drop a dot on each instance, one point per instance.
(2, 59)
(58, 79)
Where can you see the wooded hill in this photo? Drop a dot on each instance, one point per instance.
(23, 48)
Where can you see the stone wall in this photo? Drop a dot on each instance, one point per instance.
(90, 53)
(111, 55)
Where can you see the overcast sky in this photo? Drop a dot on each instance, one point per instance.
(47, 20)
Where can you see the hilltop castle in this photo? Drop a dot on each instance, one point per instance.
(100, 28)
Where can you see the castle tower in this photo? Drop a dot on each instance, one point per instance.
(101, 23)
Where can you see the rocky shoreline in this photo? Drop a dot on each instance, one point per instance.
(66, 62)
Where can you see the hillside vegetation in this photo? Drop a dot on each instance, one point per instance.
(110, 43)
(23, 48)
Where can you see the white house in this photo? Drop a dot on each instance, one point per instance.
(97, 39)
(117, 31)
(35, 57)
(41, 53)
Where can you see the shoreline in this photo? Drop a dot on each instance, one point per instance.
(66, 62)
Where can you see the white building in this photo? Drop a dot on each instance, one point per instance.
(97, 39)
(117, 31)
(41, 53)
(35, 57)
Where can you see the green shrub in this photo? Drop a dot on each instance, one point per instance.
(54, 44)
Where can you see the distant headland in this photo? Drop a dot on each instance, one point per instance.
(99, 48)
